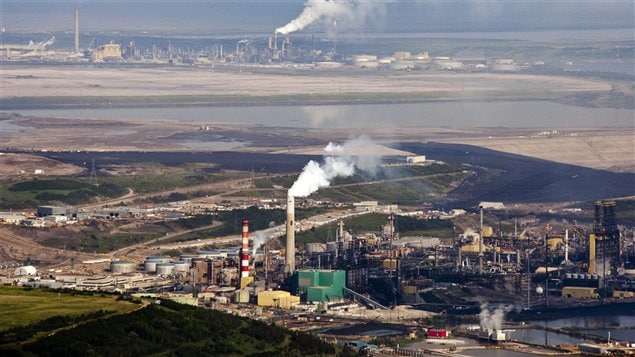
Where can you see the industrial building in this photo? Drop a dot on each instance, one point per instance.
(604, 242)
(107, 52)
(316, 286)
(277, 299)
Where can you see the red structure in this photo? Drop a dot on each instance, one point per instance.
(438, 333)
(244, 253)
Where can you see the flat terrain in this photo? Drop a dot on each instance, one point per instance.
(603, 149)
(25, 166)
(21, 307)
(606, 149)
(81, 81)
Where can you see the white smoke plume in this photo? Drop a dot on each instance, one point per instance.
(493, 320)
(260, 237)
(351, 12)
(341, 163)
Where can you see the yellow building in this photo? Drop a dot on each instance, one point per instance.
(277, 298)
(623, 294)
(390, 264)
(108, 52)
(488, 231)
(474, 248)
(577, 292)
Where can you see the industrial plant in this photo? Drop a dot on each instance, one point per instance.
(372, 273)
(278, 50)
(446, 237)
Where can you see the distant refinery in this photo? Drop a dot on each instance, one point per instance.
(316, 51)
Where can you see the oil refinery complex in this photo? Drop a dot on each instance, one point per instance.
(364, 276)
(274, 51)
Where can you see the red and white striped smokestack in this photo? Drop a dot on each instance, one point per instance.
(244, 254)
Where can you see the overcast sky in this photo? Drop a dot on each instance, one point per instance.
(236, 16)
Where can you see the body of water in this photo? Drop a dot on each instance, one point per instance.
(512, 114)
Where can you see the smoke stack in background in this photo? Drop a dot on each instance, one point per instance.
(76, 30)
(244, 254)
(290, 249)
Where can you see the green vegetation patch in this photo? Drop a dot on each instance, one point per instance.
(232, 222)
(174, 329)
(22, 307)
(69, 191)
(405, 185)
(372, 222)
(156, 183)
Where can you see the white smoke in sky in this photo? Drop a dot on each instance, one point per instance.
(341, 163)
(352, 13)
(493, 320)
(260, 237)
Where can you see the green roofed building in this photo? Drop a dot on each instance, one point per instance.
(320, 285)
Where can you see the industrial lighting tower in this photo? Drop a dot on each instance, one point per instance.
(93, 174)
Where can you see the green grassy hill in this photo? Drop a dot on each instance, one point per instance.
(165, 329)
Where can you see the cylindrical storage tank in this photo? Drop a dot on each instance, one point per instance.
(165, 268)
(159, 258)
(574, 276)
(181, 266)
(331, 246)
(187, 257)
(568, 275)
(150, 266)
(312, 248)
(122, 266)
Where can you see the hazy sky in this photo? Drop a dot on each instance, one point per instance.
(221, 17)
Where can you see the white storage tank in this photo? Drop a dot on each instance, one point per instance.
(159, 258)
(150, 264)
(165, 268)
(312, 248)
(181, 266)
(331, 246)
(122, 266)
(187, 257)
(27, 270)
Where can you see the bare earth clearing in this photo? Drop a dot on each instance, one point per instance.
(607, 149)
(35, 81)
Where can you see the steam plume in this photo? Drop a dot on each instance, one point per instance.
(260, 237)
(315, 176)
(351, 12)
(492, 320)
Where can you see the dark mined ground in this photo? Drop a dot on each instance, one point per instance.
(511, 178)
(503, 177)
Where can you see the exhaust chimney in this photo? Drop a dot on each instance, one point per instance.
(480, 243)
(76, 30)
(566, 246)
(244, 254)
(290, 249)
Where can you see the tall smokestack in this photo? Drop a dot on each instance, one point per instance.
(566, 246)
(480, 243)
(290, 250)
(76, 30)
(244, 254)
